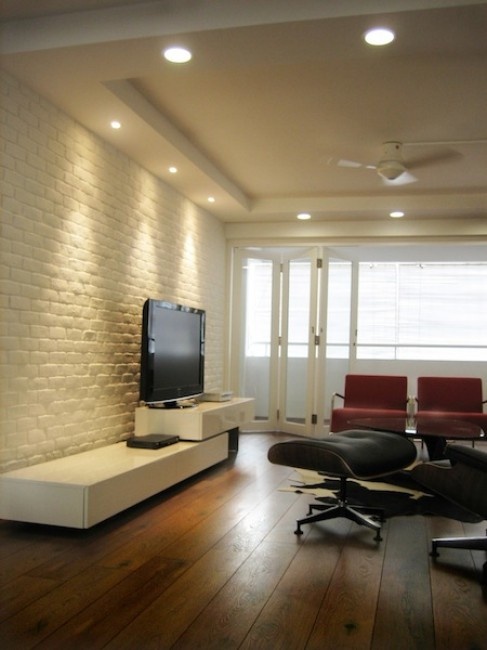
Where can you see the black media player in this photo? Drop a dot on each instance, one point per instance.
(152, 441)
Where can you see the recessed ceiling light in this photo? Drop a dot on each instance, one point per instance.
(379, 36)
(211, 199)
(396, 214)
(173, 170)
(177, 54)
(115, 124)
(303, 216)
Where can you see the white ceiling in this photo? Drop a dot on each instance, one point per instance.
(276, 94)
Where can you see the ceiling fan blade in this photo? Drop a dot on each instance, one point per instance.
(435, 143)
(342, 162)
(434, 159)
(349, 163)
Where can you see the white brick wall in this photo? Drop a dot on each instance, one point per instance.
(87, 236)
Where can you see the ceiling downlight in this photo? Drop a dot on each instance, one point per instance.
(177, 54)
(379, 36)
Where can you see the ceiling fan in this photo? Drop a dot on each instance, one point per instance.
(391, 166)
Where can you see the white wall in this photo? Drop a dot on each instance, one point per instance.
(87, 235)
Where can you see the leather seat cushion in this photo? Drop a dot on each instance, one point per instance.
(357, 453)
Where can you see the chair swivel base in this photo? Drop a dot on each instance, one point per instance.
(359, 514)
(342, 509)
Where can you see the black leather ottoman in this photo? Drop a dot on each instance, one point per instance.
(350, 454)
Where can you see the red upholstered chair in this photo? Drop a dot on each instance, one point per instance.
(369, 396)
(458, 398)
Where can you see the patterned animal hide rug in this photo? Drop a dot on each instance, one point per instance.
(397, 494)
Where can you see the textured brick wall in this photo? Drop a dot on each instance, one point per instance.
(87, 235)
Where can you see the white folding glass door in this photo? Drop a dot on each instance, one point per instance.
(290, 344)
(299, 347)
(255, 333)
(340, 327)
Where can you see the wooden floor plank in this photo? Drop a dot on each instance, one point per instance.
(40, 619)
(46, 543)
(288, 617)
(214, 563)
(16, 596)
(103, 618)
(225, 622)
(404, 611)
(347, 614)
(459, 602)
(168, 617)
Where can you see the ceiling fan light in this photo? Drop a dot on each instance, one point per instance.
(379, 36)
(390, 169)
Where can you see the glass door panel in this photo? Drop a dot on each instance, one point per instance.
(255, 334)
(338, 329)
(297, 361)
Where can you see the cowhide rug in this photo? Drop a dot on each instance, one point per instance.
(398, 494)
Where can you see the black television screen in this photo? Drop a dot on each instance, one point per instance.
(172, 352)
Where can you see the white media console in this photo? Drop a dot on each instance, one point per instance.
(81, 490)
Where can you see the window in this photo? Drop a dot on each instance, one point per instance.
(259, 307)
(338, 310)
(429, 311)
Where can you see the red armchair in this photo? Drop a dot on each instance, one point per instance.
(369, 396)
(458, 398)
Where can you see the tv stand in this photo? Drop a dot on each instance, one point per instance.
(84, 489)
(205, 420)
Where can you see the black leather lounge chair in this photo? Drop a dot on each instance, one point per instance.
(464, 482)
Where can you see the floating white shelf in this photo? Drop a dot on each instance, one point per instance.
(81, 490)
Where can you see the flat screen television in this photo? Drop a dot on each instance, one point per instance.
(172, 353)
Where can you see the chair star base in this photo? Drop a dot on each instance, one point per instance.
(363, 515)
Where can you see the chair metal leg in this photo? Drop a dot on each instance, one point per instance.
(368, 510)
(467, 543)
(329, 513)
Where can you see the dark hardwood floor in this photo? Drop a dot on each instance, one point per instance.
(214, 563)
